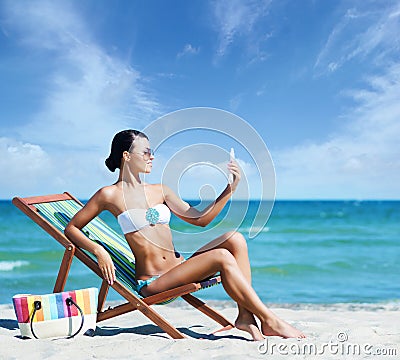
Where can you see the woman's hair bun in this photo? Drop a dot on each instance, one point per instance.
(110, 164)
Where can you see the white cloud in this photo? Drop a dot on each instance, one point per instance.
(188, 49)
(235, 102)
(23, 165)
(361, 161)
(90, 96)
(374, 31)
(260, 92)
(236, 18)
(29, 170)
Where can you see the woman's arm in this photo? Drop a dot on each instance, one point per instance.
(73, 231)
(202, 218)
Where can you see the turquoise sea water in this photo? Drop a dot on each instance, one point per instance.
(309, 252)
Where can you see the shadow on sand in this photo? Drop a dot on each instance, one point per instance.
(156, 331)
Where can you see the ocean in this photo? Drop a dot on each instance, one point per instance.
(319, 252)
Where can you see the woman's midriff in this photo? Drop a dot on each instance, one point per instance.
(153, 250)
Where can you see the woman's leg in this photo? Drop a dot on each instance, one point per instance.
(235, 243)
(235, 284)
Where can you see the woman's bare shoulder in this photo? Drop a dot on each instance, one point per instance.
(107, 196)
(107, 192)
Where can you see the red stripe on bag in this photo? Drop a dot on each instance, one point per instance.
(24, 310)
(74, 310)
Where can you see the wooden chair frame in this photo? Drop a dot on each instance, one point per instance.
(27, 205)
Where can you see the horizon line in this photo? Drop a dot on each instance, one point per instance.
(277, 199)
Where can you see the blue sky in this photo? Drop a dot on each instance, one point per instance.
(318, 80)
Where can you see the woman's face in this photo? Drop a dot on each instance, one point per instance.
(141, 155)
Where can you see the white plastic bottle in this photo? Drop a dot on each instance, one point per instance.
(232, 157)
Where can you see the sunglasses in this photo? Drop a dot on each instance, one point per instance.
(147, 154)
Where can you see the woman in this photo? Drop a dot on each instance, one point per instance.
(143, 211)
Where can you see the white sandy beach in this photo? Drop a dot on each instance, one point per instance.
(340, 331)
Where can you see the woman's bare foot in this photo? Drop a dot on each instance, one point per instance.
(246, 322)
(278, 327)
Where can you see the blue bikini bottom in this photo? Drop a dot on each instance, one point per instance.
(143, 283)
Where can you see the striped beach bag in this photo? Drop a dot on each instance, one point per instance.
(66, 314)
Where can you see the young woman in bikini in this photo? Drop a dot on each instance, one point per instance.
(143, 212)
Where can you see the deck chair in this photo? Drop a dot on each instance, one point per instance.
(53, 212)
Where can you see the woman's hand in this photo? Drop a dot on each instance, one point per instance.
(106, 265)
(234, 169)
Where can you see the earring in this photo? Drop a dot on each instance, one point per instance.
(126, 156)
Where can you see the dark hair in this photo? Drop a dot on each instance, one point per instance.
(122, 142)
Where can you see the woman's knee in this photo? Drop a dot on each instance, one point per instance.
(223, 256)
(236, 241)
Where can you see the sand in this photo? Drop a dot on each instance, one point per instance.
(339, 331)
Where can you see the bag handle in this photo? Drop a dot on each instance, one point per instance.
(38, 305)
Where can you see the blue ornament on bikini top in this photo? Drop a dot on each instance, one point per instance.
(152, 216)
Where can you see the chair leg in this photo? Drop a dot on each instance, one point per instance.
(64, 269)
(210, 312)
(102, 295)
(147, 311)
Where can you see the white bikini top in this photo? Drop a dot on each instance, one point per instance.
(135, 219)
